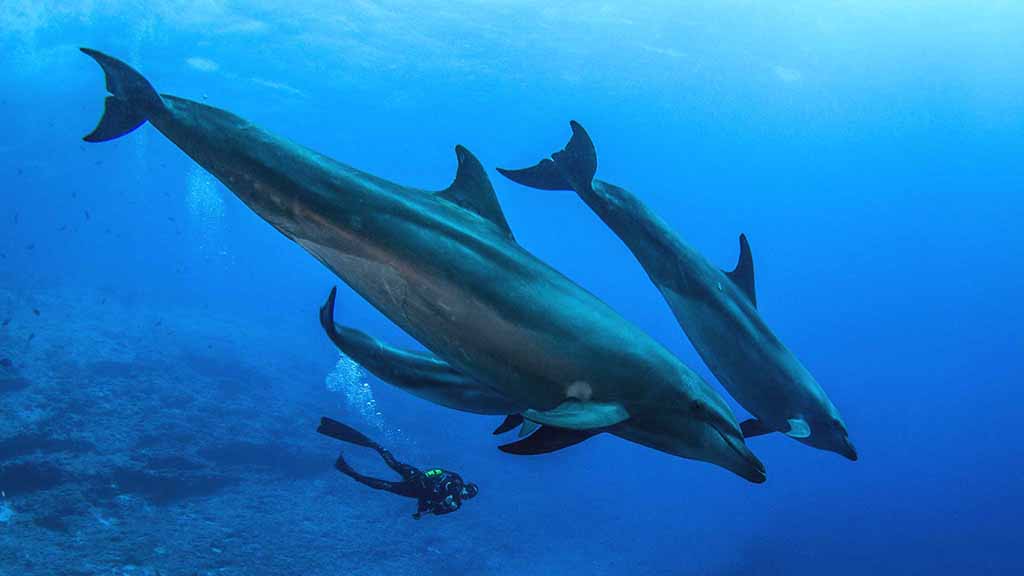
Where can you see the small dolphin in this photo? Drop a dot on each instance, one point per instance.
(445, 268)
(716, 309)
(427, 376)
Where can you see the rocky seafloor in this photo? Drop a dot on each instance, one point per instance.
(142, 442)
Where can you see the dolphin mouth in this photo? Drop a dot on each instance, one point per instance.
(848, 451)
(756, 471)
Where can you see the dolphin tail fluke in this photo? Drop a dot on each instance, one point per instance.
(345, 433)
(131, 102)
(572, 168)
(543, 176)
(578, 162)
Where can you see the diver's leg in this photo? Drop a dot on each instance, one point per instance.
(406, 471)
(375, 483)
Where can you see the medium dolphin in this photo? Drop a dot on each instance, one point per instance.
(716, 309)
(445, 268)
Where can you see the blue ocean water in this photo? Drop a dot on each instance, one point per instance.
(167, 370)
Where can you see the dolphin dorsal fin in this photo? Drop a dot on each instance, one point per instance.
(743, 274)
(472, 191)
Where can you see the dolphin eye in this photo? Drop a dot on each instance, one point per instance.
(697, 408)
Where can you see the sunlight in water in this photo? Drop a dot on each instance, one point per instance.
(350, 380)
(206, 210)
(6, 512)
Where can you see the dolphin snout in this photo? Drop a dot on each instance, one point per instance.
(847, 450)
(747, 464)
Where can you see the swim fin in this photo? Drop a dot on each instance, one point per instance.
(339, 431)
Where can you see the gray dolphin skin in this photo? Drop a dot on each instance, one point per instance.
(716, 309)
(445, 268)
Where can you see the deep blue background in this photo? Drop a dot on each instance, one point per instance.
(872, 154)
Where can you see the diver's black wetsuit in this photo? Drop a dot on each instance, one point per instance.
(437, 491)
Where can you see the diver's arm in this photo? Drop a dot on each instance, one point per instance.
(448, 505)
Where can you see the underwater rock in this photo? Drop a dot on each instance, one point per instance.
(10, 379)
(28, 477)
(51, 522)
(13, 384)
(162, 489)
(35, 442)
(274, 458)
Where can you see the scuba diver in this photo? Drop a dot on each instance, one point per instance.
(438, 491)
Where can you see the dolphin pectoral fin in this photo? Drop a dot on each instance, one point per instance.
(798, 428)
(754, 427)
(547, 439)
(580, 415)
(529, 427)
(472, 191)
(510, 422)
(743, 274)
(543, 176)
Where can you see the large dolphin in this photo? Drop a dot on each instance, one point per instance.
(445, 268)
(716, 309)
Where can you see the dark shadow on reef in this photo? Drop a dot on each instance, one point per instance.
(10, 379)
(27, 477)
(165, 487)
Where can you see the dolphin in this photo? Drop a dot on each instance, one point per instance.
(716, 309)
(446, 268)
(427, 376)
